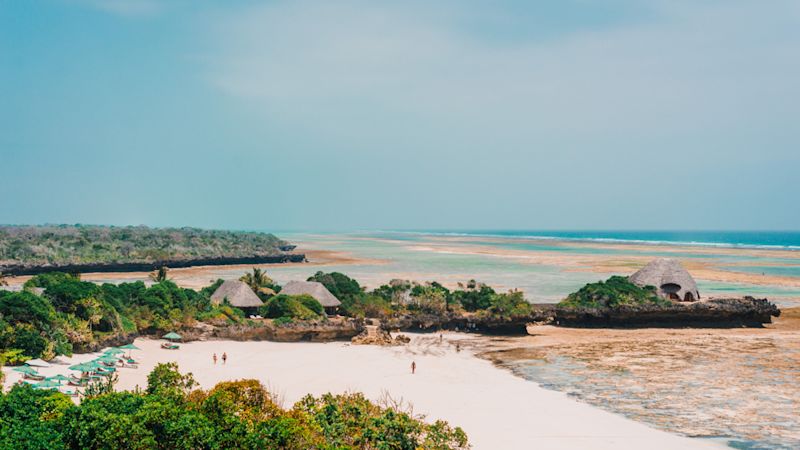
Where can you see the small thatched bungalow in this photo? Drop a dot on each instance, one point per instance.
(238, 294)
(316, 290)
(670, 279)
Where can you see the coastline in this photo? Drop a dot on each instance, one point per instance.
(704, 262)
(496, 408)
(737, 383)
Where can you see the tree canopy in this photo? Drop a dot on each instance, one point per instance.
(171, 414)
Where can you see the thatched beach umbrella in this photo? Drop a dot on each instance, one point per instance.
(83, 367)
(37, 363)
(129, 348)
(60, 378)
(47, 384)
(27, 370)
(172, 336)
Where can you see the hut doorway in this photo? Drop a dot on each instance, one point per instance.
(688, 297)
(671, 290)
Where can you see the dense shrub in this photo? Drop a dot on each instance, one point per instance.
(73, 312)
(340, 285)
(295, 307)
(614, 292)
(84, 244)
(235, 414)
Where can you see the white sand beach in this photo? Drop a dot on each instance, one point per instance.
(495, 408)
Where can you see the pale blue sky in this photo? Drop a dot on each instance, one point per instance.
(415, 114)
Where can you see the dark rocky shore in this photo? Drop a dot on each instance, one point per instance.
(715, 313)
(25, 269)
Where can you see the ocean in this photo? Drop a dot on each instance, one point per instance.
(745, 239)
(548, 265)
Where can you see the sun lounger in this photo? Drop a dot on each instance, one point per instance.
(168, 346)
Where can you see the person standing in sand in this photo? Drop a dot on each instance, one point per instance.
(224, 358)
(215, 359)
(413, 367)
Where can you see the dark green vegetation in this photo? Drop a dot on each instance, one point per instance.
(169, 414)
(260, 283)
(401, 297)
(77, 315)
(287, 308)
(90, 244)
(615, 292)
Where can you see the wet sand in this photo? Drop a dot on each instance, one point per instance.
(739, 383)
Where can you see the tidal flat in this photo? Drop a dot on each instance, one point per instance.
(737, 385)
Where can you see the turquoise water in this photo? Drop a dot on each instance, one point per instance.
(785, 271)
(415, 256)
(756, 239)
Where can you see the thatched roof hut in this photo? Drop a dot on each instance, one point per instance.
(238, 294)
(670, 279)
(314, 289)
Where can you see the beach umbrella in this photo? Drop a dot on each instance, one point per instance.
(114, 351)
(26, 370)
(47, 384)
(108, 359)
(173, 336)
(83, 367)
(58, 378)
(37, 363)
(130, 347)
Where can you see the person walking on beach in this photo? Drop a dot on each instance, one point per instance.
(224, 358)
(413, 367)
(215, 359)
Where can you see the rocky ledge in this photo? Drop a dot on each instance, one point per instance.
(375, 335)
(721, 313)
(713, 313)
(263, 330)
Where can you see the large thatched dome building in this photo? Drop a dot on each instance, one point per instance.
(670, 279)
(237, 293)
(316, 290)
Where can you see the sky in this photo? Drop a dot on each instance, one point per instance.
(356, 115)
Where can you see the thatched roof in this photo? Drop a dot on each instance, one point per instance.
(314, 289)
(238, 294)
(669, 278)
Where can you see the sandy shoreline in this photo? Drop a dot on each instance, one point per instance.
(497, 409)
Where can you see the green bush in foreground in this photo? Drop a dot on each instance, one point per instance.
(614, 292)
(236, 414)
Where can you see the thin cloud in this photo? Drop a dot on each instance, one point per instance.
(686, 69)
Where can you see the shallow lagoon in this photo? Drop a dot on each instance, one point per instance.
(423, 257)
